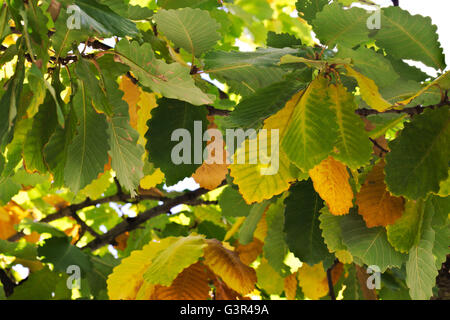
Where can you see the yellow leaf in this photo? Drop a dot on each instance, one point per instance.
(127, 278)
(369, 91)
(253, 184)
(146, 104)
(131, 96)
(330, 179)
(227, 265)
(290, 286)
(377, 206)
(10, 215)
(313, 281)
(152, 180)
(249, 252)
(191, 284)
(97, 187)
(211, 174)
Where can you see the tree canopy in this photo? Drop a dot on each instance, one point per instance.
(108, 106)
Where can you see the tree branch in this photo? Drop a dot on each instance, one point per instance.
(330, 280)
(189, 198)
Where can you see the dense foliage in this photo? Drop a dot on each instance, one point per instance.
(93, 90)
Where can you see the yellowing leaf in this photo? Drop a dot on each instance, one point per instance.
(268, 279)
(152, 180)
(56, 201)
(11, 215)
(330, 179)
(344, 256)
(261, 228)
(127, 278)
(234, 228)
(146, 104)
(369, 91)
(180, 254)
(191, 284)
(313, 281)
(227, 265)
(131, 96)
(96, 188)
(253, 184)
(290, 286)
(211, 173)
(375, 203)
(249, 252)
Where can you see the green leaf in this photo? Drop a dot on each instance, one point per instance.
(174, 4)
(331, 230)
(310, 8)
(334, 25)
(191, 29)
(104, 21)
(249, 226)
(39, 286)
(44, 124)
(301, 226)
(407, 36)
(8, 189)
(20, 249)
(252, 110)
(15, 148)
(64, 37)
(421, 268)
(371, 64)
(86, 72)
(275, 247)
(168, 263)
(353, 145)
(352, 287)
(10, 99)
(404, 233)
(171, 80)
(282, 40)
(60, 253)
(232, 203)
(160, 145)
(39, 227)
(126, 153)
(57, 149)
(441, 207)
(246, 72)
(312, 131)
(422, 147)
(88, 151)
(369, 244)
(441, 248)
